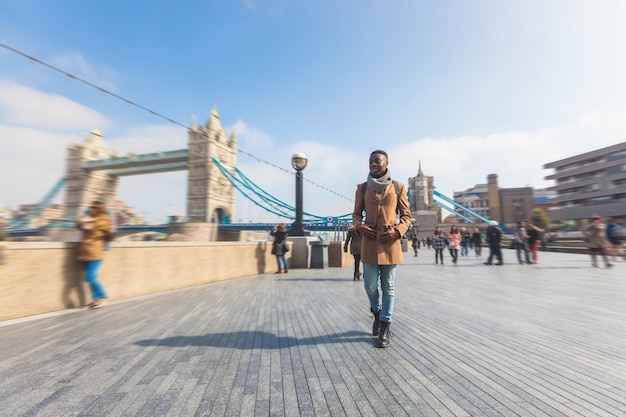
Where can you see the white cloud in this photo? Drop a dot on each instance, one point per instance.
(461, 162)
(251, 139)
(25, 106)
(32, 160)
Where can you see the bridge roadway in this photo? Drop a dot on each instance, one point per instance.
(468, 340)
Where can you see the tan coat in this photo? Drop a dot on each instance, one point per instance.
(595, 236)
(379, 216)
(92, 245)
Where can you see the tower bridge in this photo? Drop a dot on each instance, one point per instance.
(93, 173)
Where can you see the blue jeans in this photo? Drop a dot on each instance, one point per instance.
(372, 273)
(91, 269)
(522, 247)
(464, 250)
(282, 262)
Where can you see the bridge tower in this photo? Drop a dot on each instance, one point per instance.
(210, 197)
(493, 192)
(425, 213)
(92, 174)
(83, 186)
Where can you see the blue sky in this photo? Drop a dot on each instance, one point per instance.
(469, 88)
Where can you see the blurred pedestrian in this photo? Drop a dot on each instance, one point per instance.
(97, 232)
(353, 240)
(415, 243)
(439, 242)
(494, 240)
(532, 233)
(520, 239)
(477, 241)
(615, 238)
(454, 240)
(465, 241)
(279, 247)
(595, 238)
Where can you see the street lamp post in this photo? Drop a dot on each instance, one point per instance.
(298, 162)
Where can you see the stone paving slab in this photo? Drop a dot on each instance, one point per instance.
(467, 340)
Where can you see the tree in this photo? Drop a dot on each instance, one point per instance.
(540, 219)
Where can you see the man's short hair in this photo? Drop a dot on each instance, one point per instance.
(380, 152)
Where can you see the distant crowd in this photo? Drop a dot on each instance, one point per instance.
(603, 241)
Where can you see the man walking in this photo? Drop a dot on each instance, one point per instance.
(382, 200)
(520, 239)
(494, 238)
(532, 233)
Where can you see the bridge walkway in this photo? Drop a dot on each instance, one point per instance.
(469, 340)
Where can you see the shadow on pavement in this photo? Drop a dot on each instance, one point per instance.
(254, 340)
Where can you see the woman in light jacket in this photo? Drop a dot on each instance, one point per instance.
(454, 240)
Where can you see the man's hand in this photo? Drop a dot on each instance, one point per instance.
(366, 231)
(389, 235)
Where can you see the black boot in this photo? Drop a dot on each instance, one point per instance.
(384, 339)
(376, 325)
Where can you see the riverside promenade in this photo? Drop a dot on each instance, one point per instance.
(467, 340)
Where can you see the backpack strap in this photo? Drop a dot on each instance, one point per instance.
(395, 186)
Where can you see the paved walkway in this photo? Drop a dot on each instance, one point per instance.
(468, 340)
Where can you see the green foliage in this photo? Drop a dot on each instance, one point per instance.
(540, 218)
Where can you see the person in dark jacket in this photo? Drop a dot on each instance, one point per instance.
(477, 241)
(353, 240)
(615, 238)
(415, 244)
(439, 242)
(279, 245)
(532, 233)
(494, 239)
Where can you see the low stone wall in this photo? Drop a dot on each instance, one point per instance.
(41, 277)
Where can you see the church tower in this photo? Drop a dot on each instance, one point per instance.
(493, 191)
(423, 209)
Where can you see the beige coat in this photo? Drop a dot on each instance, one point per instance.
(595, 236)
(92, 245)
(380, 216)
